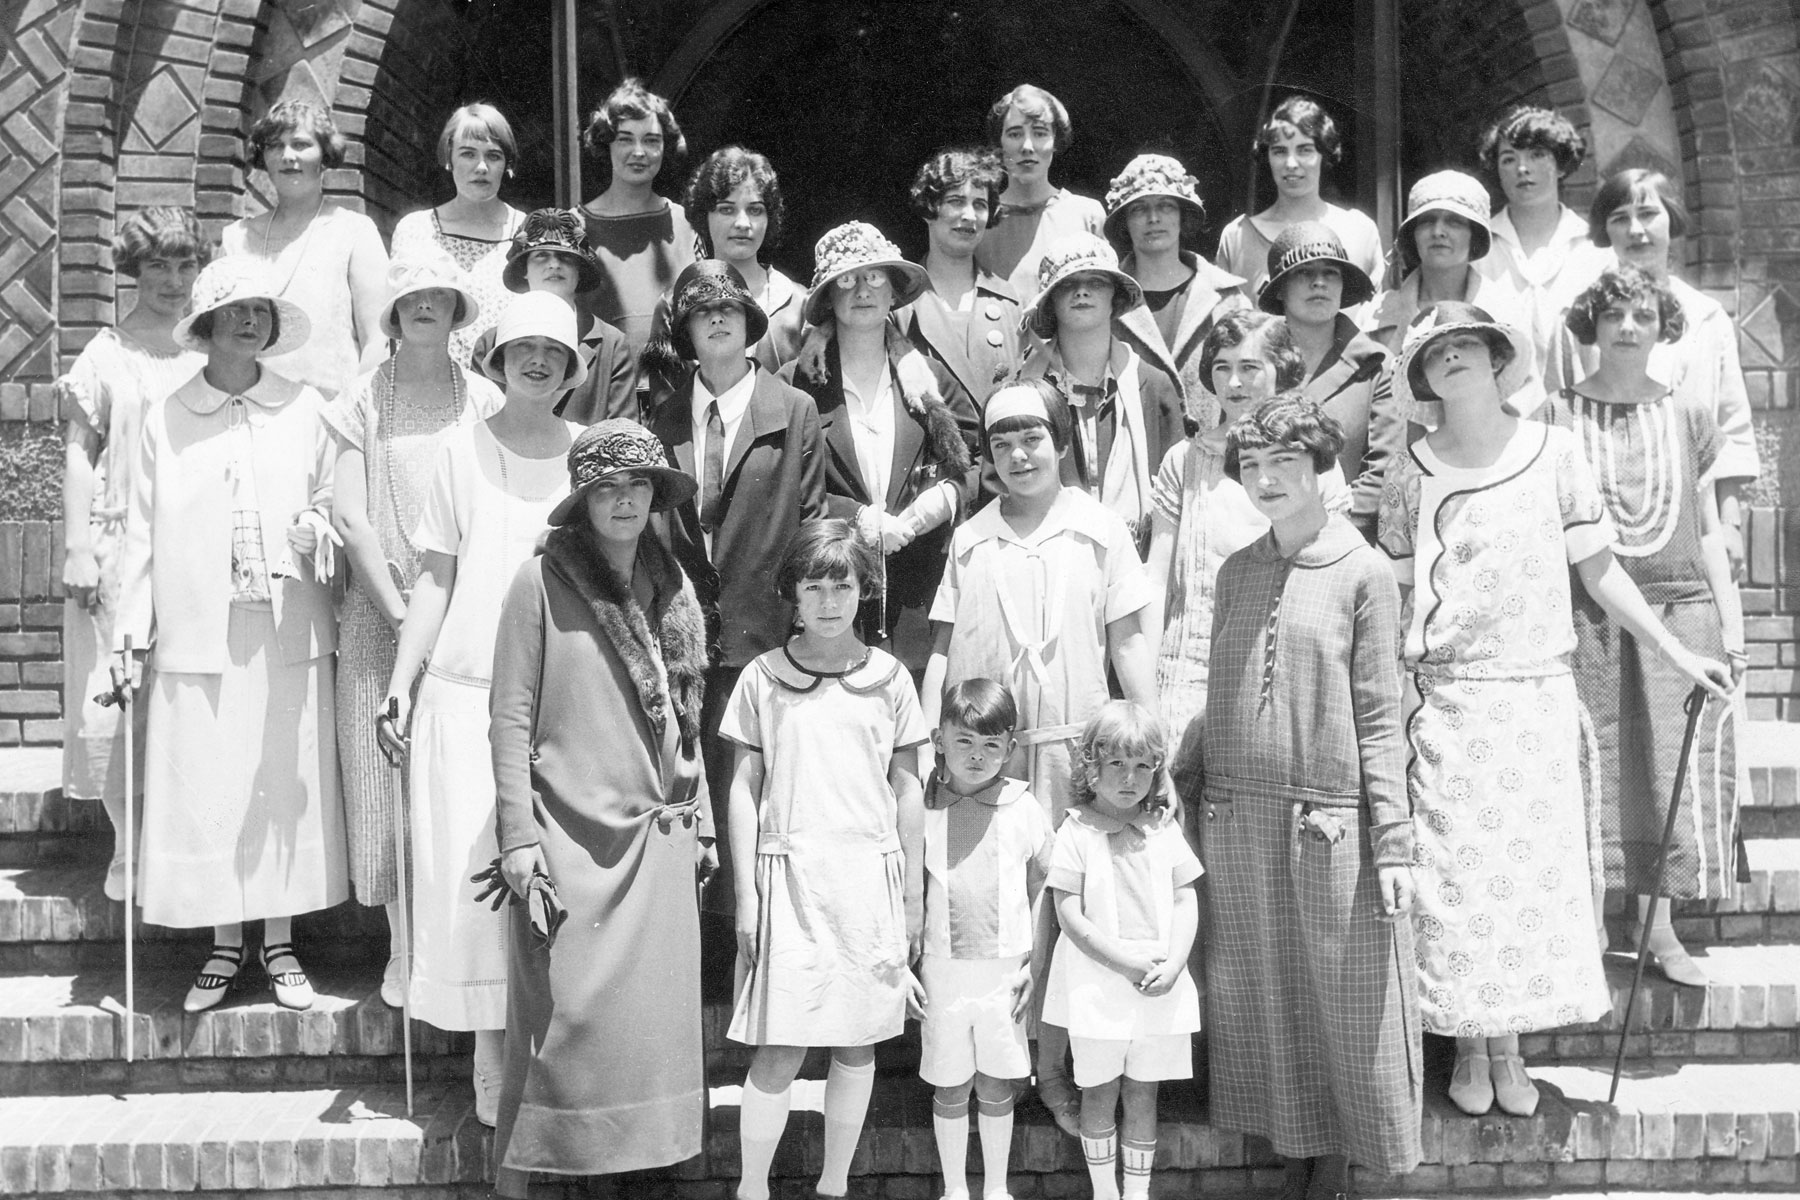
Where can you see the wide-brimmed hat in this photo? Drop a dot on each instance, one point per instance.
(1450, 192)
(706, 282)
(420, 270)
(1442, 320)
(857, 246)
(229, 280)
(558, 229)
(1080, 253)
(1302, 244)
(1151, 175)
(611, 448)
(536, 314)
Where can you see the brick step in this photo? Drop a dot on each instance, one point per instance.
(1766, 909)
(1719, 1126)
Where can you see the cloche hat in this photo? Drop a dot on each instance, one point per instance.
(229, 280)
(1150, 175)
(1450, 192)
(611, 448)
(422, 269)
(1441, 320)
(857, 246)
(1080, 253)
(1302, 244)
(536, 314)
(558, 229)
(706, 282)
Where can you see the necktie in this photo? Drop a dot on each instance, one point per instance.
(712, 475)
(1104, 404)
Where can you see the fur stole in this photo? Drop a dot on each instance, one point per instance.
(674, 630)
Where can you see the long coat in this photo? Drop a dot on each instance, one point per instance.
(1211, 293)
(1355, 385)
(604, 1058)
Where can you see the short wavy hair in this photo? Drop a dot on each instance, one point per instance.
(717, 176)
(482, 118)
(1290, 421)
(1531, 127)
(1310, 118)
(1125, 728)
(1624, 284)
(1270, 334)
(1622, 187)
(950, 169)
(303, 116)
(632, 101)
(158, 232)
(981, 706)
(1032, 101)
(827, 548)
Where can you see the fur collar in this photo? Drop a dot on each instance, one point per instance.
(674, 631)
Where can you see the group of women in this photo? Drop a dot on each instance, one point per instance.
(302, 476)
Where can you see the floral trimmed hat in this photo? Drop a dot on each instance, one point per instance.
(1151, 175)
(1078, 254)
(558, 229)
(613, 447)
(706, 282)
(231, 280)
(857, 246)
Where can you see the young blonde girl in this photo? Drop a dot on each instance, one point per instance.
(827, 829)
(1122, 876)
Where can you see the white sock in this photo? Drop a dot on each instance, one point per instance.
(995, 1120)
(396, 944)
(1137, 1157)
(951, 1125)
(762, 1116)
(847, 1092)
(1101, 1154)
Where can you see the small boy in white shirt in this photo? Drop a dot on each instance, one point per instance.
(987, 853)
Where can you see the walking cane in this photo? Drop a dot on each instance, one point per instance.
(1694, 706)
(400, 908)
(121, 696)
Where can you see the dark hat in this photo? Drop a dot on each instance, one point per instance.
(611, 448)
(1302, 244)
(707, 282)
(1441, 320)
(558, 229)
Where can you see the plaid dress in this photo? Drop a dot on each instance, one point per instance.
(1311, 999)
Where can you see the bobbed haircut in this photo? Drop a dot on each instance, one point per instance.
(826, 548)
(1624, 284)
(1270, 337)
(1304, 114)
(162, 231)
(948, 170)
(302, 116)
(1628, 186)
(1033, 103)
(981, 706)
(202, 326)
(1059, 425)
(1530, 127)
(1288, 421)
(632, 101)
(1124, 728)
(717, 176)
(484, 123)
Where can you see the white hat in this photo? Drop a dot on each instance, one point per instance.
(230, 280)
(1080, 253)
(422, 269)
(1450, 192)
(536, 314)
(1441, 320)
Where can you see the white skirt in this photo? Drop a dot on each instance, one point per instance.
(242, 817)
(459, 947)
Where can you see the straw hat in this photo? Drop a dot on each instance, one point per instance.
(1080, 253)
(420, 270)
(1151, 175)
(1439, 321)
(857, 246)
(1302, 244)
(536, 314)
(230, 280)
(1450, 192)
(611, 448)
(706, 282)
(558, 229)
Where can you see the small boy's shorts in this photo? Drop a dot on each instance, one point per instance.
(968, 1021)
(1145, 1059)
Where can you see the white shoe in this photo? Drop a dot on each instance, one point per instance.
(487, 1097)
(391, 992)
(115, 878)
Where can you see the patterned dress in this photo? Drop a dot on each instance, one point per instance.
(484, 260)
(1312, 1004)
(399, 444)
(1504, 916)
(1650, 459)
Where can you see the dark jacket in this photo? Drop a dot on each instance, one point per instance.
(611, 388)
(1354, 383)
(774, 480)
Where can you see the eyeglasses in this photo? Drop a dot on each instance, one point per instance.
(875, 278)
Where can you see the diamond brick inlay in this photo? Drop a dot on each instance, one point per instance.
(164, 108)
(1602, 20)
(1764, 102)
(1773, 326)
(34, 55)
(1627, 88)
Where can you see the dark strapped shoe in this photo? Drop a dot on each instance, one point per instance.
(211, 987)
(292, 988)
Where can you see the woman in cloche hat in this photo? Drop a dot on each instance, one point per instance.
(228, 558)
